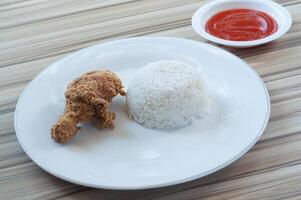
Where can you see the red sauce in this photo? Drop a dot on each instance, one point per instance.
(241, 25)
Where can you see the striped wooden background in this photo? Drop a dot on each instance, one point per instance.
(35, 33)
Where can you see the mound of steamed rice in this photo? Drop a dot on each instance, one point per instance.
(167, 94)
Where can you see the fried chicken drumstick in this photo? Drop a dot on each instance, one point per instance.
(87, 97)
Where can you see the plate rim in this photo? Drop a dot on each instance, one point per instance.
(145, 186)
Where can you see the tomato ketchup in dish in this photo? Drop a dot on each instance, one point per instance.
(241, 25)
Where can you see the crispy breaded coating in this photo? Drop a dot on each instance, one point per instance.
(88, 97)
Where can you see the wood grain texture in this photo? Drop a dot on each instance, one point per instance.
(35, 33)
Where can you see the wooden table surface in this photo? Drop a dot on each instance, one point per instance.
(35, 33)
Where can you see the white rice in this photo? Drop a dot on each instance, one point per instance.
(167, 94)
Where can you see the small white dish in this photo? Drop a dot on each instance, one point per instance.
(131, 156)
(275, 10)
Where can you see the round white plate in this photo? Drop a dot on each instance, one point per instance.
(131, 156)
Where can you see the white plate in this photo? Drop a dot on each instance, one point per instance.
(278, 12)
(131, 156)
